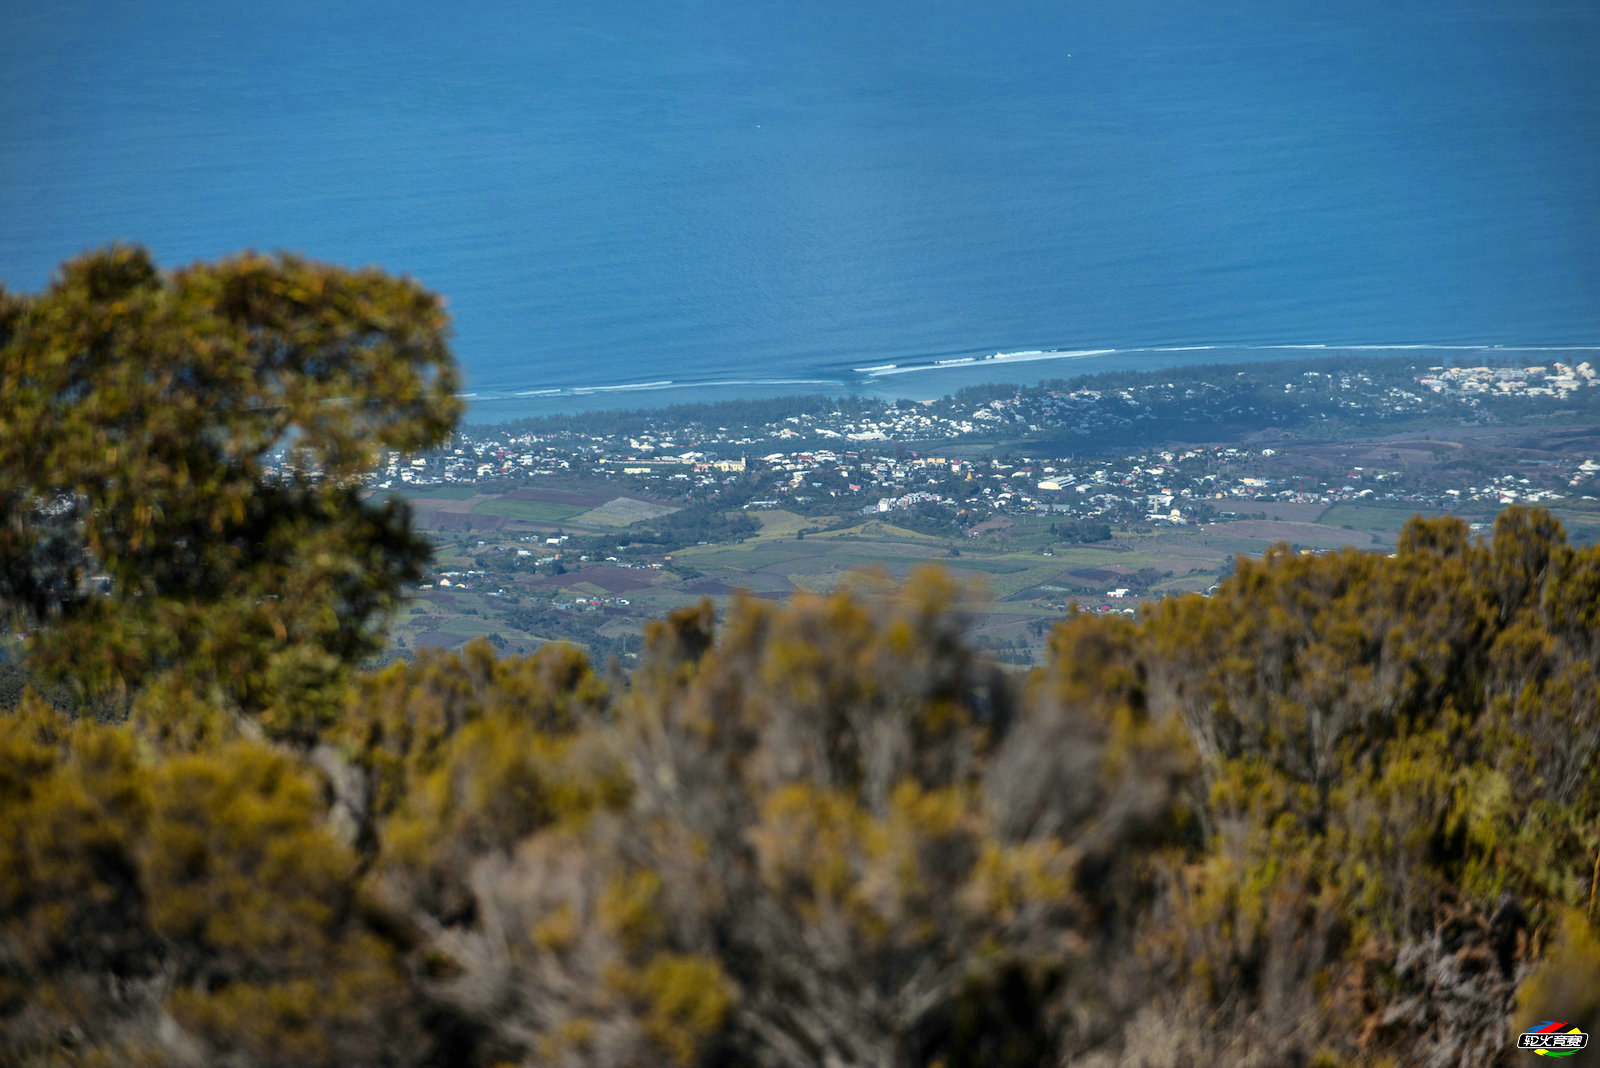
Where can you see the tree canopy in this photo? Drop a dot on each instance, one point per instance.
(1346, 811)
(177, 462)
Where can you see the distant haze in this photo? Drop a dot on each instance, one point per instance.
(776, 196)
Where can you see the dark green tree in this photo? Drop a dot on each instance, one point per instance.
(178, 463)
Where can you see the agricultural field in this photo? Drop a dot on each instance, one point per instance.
(576, 504)
(624, 511)
(584, 538)
(1020, 579)
(531, 511)
(1381, 521)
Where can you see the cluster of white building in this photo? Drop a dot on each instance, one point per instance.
(1557, 380)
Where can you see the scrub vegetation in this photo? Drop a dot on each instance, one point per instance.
(1344, 811)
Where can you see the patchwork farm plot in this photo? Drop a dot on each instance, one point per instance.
(1021, 579)
(588, 558)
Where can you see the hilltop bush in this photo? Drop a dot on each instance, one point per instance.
(1346, 811)
(149, 530)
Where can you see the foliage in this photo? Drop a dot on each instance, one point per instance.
(753, 412)
(147, 528)
(1331, 813)
(1081, 531)
(1345, 811)
(202, 890)
(1398, 749)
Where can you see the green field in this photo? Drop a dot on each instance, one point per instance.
(529, 511)
(1012, 581)
(625, 511)
(439, 493)
(1581, 519)
(469, 626)
(781, 524)
(1373, 518)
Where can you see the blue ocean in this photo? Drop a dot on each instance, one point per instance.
(636, 203)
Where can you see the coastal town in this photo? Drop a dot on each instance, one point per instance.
(1101, 493)
(906, 458)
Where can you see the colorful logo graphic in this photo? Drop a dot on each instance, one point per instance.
(1553, 1038)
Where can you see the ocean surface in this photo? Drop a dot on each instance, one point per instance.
(633, 203)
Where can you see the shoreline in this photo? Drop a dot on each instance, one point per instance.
(930, 378)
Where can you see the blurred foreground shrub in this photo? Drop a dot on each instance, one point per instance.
(1346, 811)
